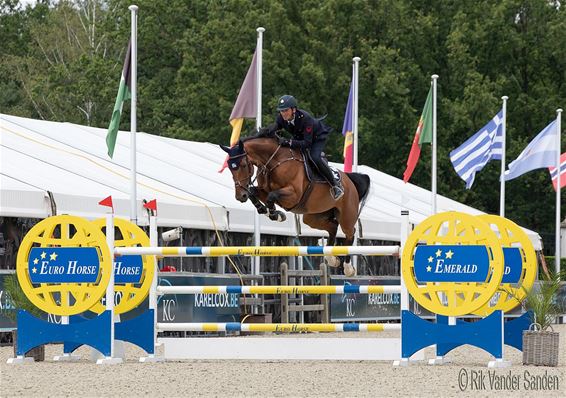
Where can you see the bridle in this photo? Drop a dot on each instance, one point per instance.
(265, 169)
(238, 183)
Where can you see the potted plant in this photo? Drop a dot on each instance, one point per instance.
(21, 302)
(541, 342)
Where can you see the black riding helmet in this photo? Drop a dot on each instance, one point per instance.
(286, 102)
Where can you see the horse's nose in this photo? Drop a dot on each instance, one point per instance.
(243, 197)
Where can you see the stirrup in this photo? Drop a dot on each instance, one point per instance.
(337, 192)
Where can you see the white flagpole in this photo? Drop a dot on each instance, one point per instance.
(503, 149)
(433, 184)
(355, 83)
(356, 68)
(259, 60)
(558, 183)
(133, 120)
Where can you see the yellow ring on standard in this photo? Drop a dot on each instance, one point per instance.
(64, 298)
(128, 234)
(510, 295)
(453, 298)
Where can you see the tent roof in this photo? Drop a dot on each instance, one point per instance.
(48, 164)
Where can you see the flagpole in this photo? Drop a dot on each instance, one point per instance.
(259, 60)
(355, 85)
(503, 149)
(433, 184)
(133, 120)
(558, 183)
(355, 75)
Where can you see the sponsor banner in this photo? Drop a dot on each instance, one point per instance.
(451, 263)
(222, 307)
(369, 307)
(128, 269)
(513, 265)
(63, 265)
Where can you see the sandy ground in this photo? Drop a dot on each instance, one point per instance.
(275, 378)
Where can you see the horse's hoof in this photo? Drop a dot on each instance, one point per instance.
(281, 216)
(332, 261)
(277, 216)
(349, 270)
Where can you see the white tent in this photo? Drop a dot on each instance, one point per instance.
(49, 167)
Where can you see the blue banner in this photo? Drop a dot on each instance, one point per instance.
(513, 265)
(369, 307)
(128, 269)
(451, 263)
(63, 265)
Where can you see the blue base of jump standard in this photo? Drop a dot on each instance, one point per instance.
(513, 332)
(416, 334)
(138, 331)
(34, 332)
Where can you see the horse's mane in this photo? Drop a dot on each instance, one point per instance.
(258, 136)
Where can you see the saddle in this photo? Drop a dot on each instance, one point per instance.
(314, 175)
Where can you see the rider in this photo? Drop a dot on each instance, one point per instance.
(308, 133)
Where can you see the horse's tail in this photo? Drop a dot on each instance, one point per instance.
(362, 184)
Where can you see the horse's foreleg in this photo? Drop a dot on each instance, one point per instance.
(272, 198)
(254, 194)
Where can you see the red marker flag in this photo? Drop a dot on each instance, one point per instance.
(151, 205)
(107, 202)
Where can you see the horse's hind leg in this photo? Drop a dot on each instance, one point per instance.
(326, 222)
(348, 227)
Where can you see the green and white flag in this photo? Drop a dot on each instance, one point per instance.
(124, 94)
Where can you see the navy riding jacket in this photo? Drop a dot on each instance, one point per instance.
(304, 128)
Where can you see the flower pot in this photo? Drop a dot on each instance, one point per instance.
(37, 353)
(540, 347)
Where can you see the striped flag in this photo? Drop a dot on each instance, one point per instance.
(540, 153)
(423, 135)
(554, 175)
(480, 148)
(124, 94)
(347, 132)
(245, 106)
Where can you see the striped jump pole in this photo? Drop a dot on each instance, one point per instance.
(261, 251)
(346, 289)
(321, 348)
(278, 327)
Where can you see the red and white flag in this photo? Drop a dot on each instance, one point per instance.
(554, 174)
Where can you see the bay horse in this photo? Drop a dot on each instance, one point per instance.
(282, 179)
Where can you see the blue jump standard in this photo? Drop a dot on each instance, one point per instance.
(125, 330)
(486, 333)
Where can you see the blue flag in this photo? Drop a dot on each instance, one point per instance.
(473, 155)
(540, 153)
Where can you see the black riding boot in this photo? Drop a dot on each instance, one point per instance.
(335, 189)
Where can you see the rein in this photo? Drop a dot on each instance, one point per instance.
(264, 169)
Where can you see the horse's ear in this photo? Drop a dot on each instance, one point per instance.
(225, 148)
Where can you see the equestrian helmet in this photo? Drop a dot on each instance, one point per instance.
(286, 102)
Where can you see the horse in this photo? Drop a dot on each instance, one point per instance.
(282, 180)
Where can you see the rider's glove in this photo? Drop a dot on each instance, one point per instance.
(283, 142)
